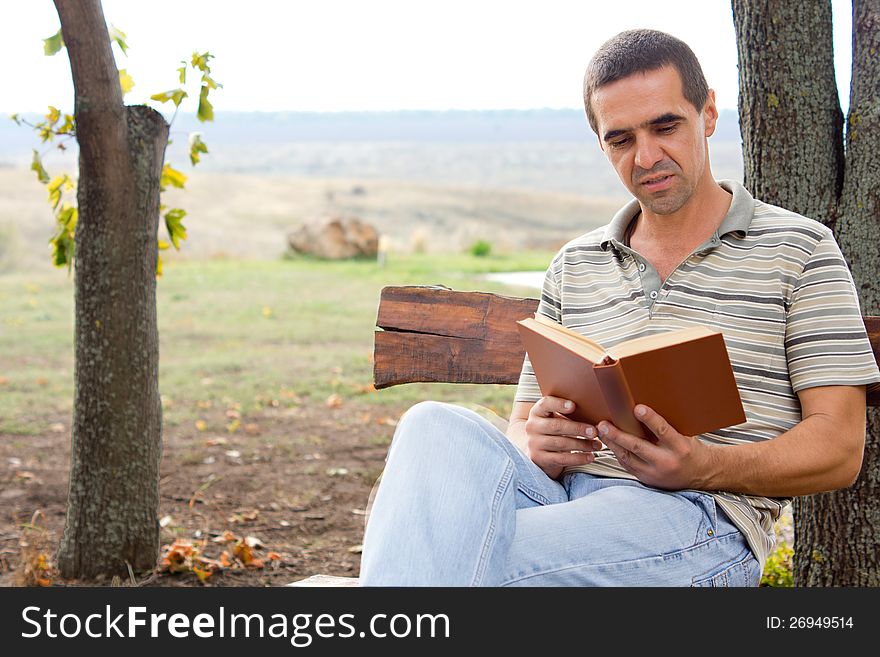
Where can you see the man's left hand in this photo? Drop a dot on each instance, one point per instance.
(674, 462)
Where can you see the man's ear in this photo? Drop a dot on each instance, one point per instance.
(710, 114)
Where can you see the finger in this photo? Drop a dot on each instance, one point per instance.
(563, 459)
(559, 425)
(655, 422)
(568, 444)
(618, 441)
(547, 406)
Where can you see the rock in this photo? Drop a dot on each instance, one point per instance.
(336, 238)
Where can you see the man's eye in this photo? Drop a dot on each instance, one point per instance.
(618, 143)
(666, 129)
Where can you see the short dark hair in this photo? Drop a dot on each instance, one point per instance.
(639, 51)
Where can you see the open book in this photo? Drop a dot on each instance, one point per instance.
(684, 375)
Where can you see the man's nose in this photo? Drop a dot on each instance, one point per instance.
(648, 153)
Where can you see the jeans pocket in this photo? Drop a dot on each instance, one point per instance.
(743, 570)
(706, 503)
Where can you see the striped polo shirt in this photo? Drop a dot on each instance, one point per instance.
(773, 282)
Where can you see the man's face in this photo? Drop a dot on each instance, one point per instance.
(654, 137)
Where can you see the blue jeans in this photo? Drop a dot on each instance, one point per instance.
(460, 505)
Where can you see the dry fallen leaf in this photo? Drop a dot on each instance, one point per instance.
(201, 425)
(334, 401)
(254, 542)
(218, 440)
(243, 517)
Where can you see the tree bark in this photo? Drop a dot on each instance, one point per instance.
(113, 495)
(794, 157)
(790, 117)
(841, 530)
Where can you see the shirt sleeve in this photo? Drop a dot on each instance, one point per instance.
(825, 339)
(550, 306)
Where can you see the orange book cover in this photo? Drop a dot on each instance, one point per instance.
(685, 375)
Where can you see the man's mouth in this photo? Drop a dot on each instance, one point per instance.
(656, 180)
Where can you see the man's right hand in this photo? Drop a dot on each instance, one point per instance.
(552, 440)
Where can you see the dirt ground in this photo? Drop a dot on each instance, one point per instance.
(296, 479)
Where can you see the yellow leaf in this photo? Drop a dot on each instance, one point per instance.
(125, 81)
(173, 177)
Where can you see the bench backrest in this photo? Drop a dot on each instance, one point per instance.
(438, 335)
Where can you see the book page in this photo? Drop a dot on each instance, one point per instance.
(639, 345)
(574, 340)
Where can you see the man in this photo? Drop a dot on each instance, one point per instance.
(557, 502)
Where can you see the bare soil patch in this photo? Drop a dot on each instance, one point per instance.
(297, 479)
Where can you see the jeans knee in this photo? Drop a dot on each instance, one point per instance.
(433, 424)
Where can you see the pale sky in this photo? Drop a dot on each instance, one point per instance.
(349, 55)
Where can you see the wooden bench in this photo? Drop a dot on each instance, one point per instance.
(438, 335)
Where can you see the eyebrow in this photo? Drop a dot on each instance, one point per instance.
(669, 117)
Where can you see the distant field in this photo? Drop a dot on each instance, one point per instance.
(237, 333)
(249, 216)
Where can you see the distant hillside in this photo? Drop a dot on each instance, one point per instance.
(542, 150)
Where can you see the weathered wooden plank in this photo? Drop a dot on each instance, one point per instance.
(444, 336)
(441, 311)
(419, 357)
(440, 335)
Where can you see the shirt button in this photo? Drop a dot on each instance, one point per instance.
(653, 294)
(642, 266)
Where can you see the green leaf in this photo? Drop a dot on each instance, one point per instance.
(172, 177)
(119, 37)
(176, 230)
(125, 81)
(68, 216)
(37, 165)
(53, 44)
(63, 242)
(16, 118)
(196, 146)
(174, 95)
(158, 266)
(182, 72)
(206, 110)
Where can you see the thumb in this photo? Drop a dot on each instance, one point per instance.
(654, 421)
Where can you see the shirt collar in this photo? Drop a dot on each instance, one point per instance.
(737, 220)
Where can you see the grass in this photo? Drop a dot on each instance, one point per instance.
(239, 334)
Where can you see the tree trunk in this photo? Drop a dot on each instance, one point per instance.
(790, 118)
(113, 495)
(843, 528)
(793, 157)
